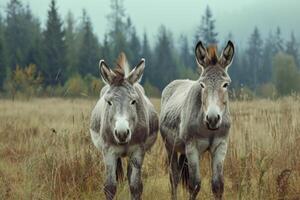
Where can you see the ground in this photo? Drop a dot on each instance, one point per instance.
(46, 153)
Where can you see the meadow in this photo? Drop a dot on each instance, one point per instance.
(46, 153)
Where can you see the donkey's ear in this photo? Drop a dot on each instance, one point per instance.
(201, 55)
(137, 73)
(227, 55)
(106, 73)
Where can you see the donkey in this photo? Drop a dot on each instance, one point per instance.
(123, 123)
(195, 118)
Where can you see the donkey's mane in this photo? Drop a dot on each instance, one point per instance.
(121, 69)
(212, 54)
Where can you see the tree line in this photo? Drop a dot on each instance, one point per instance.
(62, 57)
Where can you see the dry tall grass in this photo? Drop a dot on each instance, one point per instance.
(46, 153)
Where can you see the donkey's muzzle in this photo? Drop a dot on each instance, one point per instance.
(213, 121)
(122, 136)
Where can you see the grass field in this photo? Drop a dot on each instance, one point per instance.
(46, 153)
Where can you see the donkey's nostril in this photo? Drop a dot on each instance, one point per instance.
(213, 120)
(116, 132)
(127, 132)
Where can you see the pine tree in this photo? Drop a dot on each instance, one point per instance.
(147, 54)
(269, 51)
(134, 47)
(146, 49)
(3, 63)
(15, 34)
(185, 52)
(206, 31)
(119, 28)
(244, 71)
(54, 68)
(106, 51)
(292, 48)
(70, 44)
(22, 35)
(165, 66)
(235, 70)
(254, 57)
(227, 38)
(89, 49)
(35, 40)
(278, 41)
(117, 16)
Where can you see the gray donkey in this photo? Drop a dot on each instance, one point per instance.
(195, 118)
(123, 123)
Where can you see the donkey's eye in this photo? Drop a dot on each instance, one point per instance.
(133, 102)
(109, 103)
(225, 85)
(202, 85)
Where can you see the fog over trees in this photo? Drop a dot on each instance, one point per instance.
(63, 56)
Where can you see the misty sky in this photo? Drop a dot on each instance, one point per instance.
(183, 16)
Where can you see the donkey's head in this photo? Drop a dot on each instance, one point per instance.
(214, 81)
(122, 100)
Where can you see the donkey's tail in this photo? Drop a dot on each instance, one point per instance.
(184, 169)
(119, 170)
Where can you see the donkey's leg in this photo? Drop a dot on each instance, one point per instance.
(110, 185)
(192, 155)
(173, 171)
(129, 171)
(134, 174)
(218, 153)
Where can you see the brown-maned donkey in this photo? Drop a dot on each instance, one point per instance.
(123, 124)
(195, 118)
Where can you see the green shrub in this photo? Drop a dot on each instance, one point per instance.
(242, 93)
(94, 85)
(267, 90)
(75, 86)
(285, 74)
(54, 91)
(26, 82)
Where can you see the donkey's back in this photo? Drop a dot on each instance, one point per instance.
(176, 91)
(173, 97)
(153, 118)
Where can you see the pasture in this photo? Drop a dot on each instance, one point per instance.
(46, 153)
